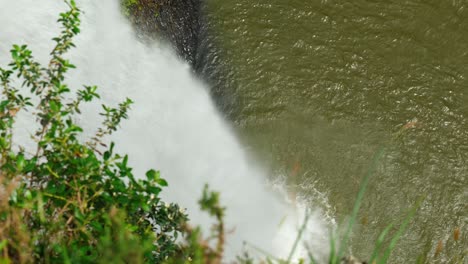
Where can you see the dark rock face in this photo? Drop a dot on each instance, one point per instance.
(179, 20)
(176, 20)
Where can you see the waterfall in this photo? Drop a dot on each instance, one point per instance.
(173, 126)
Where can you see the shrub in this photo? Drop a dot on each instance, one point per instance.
(73, 201)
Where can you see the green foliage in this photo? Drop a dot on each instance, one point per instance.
(335, 258)
(70, 201)
(197, 249)
(134, 8)
(79, 202)
(128, 6)
(211, 204)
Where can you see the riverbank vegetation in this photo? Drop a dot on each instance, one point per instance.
(69, 200)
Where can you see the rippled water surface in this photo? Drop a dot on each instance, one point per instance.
(321, 85)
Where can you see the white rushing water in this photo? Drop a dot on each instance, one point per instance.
(173, 126)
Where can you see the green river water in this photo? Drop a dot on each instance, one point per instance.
(320, 86)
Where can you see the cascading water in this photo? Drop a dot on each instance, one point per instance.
(173, 125)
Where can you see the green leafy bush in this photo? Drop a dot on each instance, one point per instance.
(73, 201)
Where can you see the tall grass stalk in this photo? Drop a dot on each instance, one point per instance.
(400, 232)
(299, 236)
(380, 241)
(357, 205)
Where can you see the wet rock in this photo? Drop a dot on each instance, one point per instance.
(178, 21)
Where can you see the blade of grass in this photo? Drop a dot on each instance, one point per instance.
(422, 258)
(264, 252)
(299, 235)
(310, 255)
(379, 243)
(400, 231)
(3, 244)
(333, 257)
(357, 203)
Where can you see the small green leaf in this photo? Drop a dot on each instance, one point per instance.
(106, 155)
(152, 175)
(162, 182)
(28, 195)
(54, 106)
(20, 162)
(3, 244)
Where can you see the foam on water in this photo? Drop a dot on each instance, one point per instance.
(173, 125)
